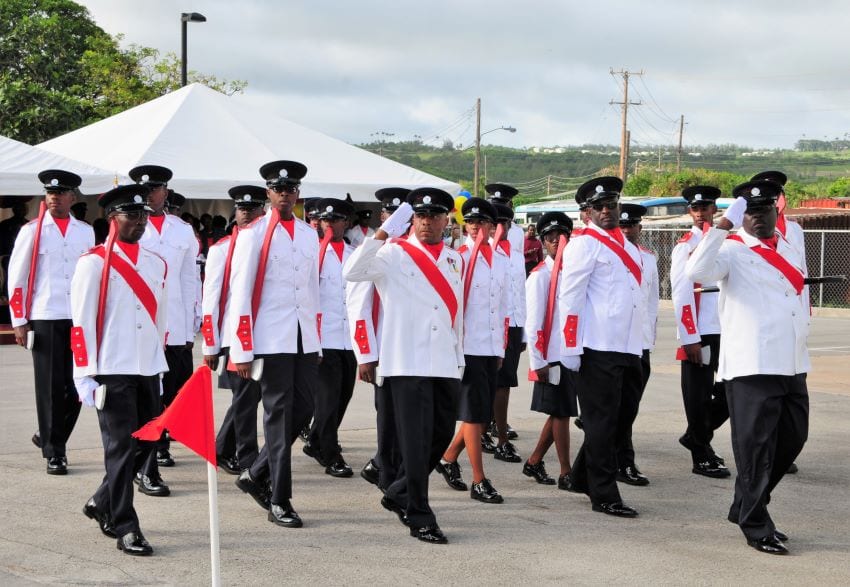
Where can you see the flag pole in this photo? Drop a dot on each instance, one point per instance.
(212, 489)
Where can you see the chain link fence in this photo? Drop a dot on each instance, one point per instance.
(827, 253)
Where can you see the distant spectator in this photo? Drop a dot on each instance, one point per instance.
(9, 228)
(79, 211)
(219, 229)
(533, 249)
(455, 238)
(101, 230)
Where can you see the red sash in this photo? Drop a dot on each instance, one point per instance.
(376, 309)
(429, 269)
(620, 251)
(225, 278)
(133, 279)
(778, 262)
(467, 280)
(323, 248)
(274, 220)
(42, 208)
(552, 298)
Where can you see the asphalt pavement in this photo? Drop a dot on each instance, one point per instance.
(540, 535)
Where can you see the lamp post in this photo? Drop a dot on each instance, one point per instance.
(478, 136)
(184, 18)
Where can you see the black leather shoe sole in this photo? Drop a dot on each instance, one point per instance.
(255, 491)
(36, 440)
(371, 474)
(713, 473)
(93, 513)
(134, 549)
(57, 470)
(340, 473)
(228, 465)
(618, 510)
(393, 507)
(636, 481)
(429, 535)
(768, 545)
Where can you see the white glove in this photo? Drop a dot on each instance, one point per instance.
(573, 362)
(85, 390)
(696, 237)
(399, 221)
(735, 212)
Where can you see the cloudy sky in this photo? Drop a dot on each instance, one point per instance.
(762, 73)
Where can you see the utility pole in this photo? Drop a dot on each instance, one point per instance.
(477, 146)
(679, 151)
(485, 168)
(625, 173)
(548, 185)
(625, 104)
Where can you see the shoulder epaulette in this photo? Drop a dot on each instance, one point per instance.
(685, 237)
(645, 250)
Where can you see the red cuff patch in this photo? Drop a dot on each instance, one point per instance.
(17, 303)
(688, 320)
(361, 337)
(571, 330)
(78, 347)
(207, 330)
(243, 333)
(539, 344)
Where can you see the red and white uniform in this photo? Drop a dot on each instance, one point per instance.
(357, 234)
(516, 300)
(333, 322)
(601, 303)
(365, 318)
(128, 327)
(57, 259)
(486, 312)
(537, 296)
(215, 338)
(176, 243)
(765, 321)
(290, 295)
(649, 284)
(418, 337)
(692, 319)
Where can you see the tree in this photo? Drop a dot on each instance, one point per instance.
(59, 71)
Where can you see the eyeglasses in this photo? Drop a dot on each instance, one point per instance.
(288, 189)
(605, 206)
(135, 215)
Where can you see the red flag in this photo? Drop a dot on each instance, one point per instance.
(189, 418)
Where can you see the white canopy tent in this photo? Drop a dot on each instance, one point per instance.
(213, 142)
(20, 164)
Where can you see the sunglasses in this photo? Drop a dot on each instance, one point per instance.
(605, 206)
(285, 189)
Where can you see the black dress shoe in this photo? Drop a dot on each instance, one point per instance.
(579, 423)
(370, 472)
(488, 445)
(512, 435)
(153, 486)
(491, 428)
(304, 435)
(538, 472)
(164, 458)
(91, 511)
(792, 469)
(312, 451)
(339, 468)
(451, 473)
(485, 492)
(284, 515)
(507, 452)
(711, 468)
(133, 543)
(769, 544)
(565, 482)
(429, 534)
(631, 476)
(36, 440)
(780, 535)
(259, 491)
(392, 506)
(229, 465)
(57, 466)
(615, 509)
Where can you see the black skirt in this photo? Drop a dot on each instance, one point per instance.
(477, 389)
(556, 400)
(507, 374)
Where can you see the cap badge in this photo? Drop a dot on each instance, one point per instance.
(553, 223)
(755, 192)
(54, 181)
(137, 199)
(599, 189)
(474, 210)
(396, 202)
(697, 197)
(624, 216)
(246, 198)
(426, 200)
(146, 177)
(329, 209)
(283, 173)
(497, 194)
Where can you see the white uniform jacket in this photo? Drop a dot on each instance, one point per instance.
(214, 338)
(765, 323)
(649, 284)
(132, 343)
(356, 236)
(290, 297)
(797, 239)
(516, 301)
(601, 304)
(57, 258)
(333, 318)
(363, 306)
(536, 297)
(418, 338)
(486, 318)
(179, 247)
(692, 320)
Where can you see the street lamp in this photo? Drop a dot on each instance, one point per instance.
(184, 18)
(478, 136)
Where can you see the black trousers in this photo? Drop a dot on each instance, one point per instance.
(337, 373)
(769, 415)
(425, 412)
(704, 399)
(286, 389)
(388, 455)
(629, 406)
(605, 379)
(238, 433)
(56, 402)
(131, 401)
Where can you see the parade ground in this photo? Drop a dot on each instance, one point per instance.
(540, 535)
